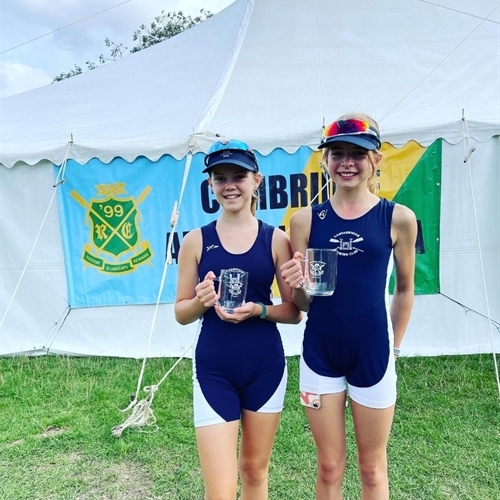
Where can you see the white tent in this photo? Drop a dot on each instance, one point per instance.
(270, 72)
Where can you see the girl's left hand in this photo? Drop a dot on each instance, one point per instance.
(238, 315)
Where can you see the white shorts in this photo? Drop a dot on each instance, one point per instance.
(380, 395)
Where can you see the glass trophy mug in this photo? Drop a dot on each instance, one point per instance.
(320, 272)
(232, 288)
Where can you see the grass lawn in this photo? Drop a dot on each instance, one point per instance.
(56, 415)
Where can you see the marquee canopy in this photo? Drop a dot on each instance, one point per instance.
(272, 72)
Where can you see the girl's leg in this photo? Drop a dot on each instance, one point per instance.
(217, 448)
(328, 428)
(372, 428)
(257, 438)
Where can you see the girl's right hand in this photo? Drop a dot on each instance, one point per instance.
(291, 271)
(205, 290)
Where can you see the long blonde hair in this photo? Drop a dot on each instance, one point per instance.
(375, 156)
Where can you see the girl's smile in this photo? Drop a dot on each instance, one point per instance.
(231, 183)
(347, 163)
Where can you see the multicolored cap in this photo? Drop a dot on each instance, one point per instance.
(232, 152)
(352, 130)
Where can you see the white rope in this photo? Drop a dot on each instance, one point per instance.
(221, 83)
(468, 14)
(64, 27)
(59, 181)
(425, 77)
(143, 415)
(417, 67)
(54, 330)
(467, 159)
(325, 186)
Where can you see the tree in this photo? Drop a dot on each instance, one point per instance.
(77, 70)
(164, 26)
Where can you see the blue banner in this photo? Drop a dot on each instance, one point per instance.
(116, 221)
(116, 217)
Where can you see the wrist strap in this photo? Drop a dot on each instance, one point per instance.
(263, 314)
(397, 351)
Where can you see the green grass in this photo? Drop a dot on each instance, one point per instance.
(56, 415)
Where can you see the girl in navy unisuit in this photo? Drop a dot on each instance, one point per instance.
(352, 338)
(239, 366)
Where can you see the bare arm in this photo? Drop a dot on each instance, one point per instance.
(404, 232)
(287, 311)
(292, 271)
(192, 298)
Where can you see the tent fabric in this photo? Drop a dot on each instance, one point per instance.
(39, 320)
(272, 73)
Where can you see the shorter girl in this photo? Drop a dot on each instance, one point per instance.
(239, 366)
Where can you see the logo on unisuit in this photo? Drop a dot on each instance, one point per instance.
(347, 243)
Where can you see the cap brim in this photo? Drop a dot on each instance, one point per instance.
(226, 161)
(364, 141)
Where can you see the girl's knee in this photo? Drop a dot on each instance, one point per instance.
(253, 473)
(330, 472)
(373, 474)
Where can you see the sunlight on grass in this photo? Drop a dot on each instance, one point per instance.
(56, 415)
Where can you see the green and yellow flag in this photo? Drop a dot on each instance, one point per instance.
(411, 176)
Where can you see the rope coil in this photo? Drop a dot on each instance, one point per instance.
(141, 416)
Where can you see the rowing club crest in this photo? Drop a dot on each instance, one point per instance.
(115, 240)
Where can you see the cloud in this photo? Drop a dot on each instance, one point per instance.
(17, 77)
(36, 63)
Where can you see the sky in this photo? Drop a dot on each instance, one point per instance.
(79, 29)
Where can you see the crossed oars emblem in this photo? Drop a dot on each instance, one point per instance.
(114, 231)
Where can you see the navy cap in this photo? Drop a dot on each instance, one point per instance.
(232, 152)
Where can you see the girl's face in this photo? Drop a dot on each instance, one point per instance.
(349, 165)
(233, 186)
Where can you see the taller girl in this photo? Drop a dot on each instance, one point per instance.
(352, 338)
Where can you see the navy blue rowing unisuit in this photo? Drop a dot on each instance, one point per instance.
(238, 366)
(348, 337)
